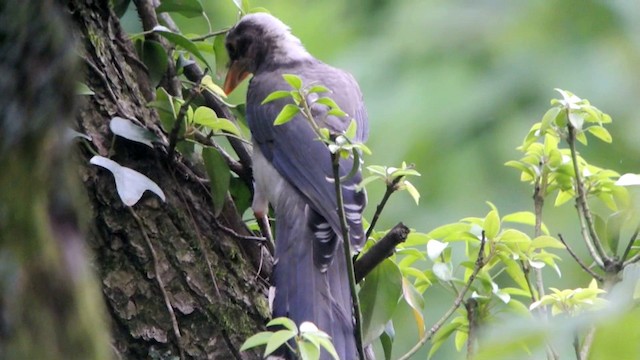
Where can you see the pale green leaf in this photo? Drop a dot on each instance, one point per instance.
(278, 339)
(287, 113)
(293, 80)
(258, 339)
(279, 94)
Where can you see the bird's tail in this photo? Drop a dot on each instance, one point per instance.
(305, 291)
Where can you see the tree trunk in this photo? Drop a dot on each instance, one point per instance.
(175, 283)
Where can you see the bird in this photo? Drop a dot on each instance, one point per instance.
(293, 172)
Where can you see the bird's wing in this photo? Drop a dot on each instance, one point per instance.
(305, 162)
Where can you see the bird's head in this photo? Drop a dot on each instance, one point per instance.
(258, 41)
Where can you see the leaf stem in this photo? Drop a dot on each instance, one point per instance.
(391, 188)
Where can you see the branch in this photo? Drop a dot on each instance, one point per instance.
(577, 259)
(584, 214)
(391, 188)
(456, 303)
(629, 245)
(335, 160)
(380, 251)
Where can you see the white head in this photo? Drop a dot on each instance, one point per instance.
(258, 41)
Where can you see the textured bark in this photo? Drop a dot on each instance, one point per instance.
(211, 280)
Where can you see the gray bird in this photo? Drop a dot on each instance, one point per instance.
(292, 172)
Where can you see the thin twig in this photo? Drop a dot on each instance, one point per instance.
(586, 344)
(584, 214)
(630, 244)
(335, 160)
(210, 35)
(579, 261)
(156, 267)
(471, 306)
(391, 188)
(456, 303)
(576, 347)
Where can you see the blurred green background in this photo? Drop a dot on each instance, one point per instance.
(454, 86)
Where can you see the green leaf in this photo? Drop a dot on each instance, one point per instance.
(278, 339)
(130, 184)
(549, 118)
(207, 117)
(318, 89)
(442, 335)
(329, 102)
(293, 80)
(164, 104)
(283, 321)
(601, 133)
(563, 197)
(379, 297)
(546, 241)
(212, 87)
(219, 176)
(308, 350)
(181, 41)
(524, 217)
(412, 191)
(351, 131)
(460, 339)
(258, 339)
(186, 8)
(128, 130)
(328, 345)
(279, 94)
(491, 224)
(287, 113)
(83, 89)
(416, 302)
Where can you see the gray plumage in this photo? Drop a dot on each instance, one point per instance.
(293, 172)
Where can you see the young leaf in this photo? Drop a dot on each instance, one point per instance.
(308, 350)
(287, 113)
(601, 133)
(207, 117)
(283, 321)
(219, 176)
(128, 130)
(277, 339)
(130, 184)
(278, 94)
(212, 87)
(293, 80)
(258, 339)
(412, 191)
(491, 225)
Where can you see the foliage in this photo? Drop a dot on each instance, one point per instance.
(305, 341)
(492, 265)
